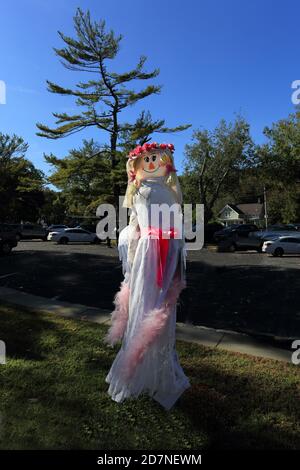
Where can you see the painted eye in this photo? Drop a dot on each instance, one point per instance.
(147, 159)
(153, 158)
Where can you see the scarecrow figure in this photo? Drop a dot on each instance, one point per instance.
(152, 251)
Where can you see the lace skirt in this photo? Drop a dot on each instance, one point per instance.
(157, 372)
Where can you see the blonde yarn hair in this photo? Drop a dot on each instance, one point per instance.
(133, 184)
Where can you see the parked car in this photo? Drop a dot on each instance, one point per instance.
(55, 228)
(266, 235)
(238, 237)
(292, 227)
(29, 231)
(89, 227)
(280, 228)
(209, 231)
(282, 245)
(242, 230)
(224, 232)
(240, 242)
(18, 230)
(8, 239)
(73, 235)
(296, 226)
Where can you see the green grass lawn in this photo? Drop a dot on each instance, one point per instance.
(53, 395)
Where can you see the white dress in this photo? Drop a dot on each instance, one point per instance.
(145, 314)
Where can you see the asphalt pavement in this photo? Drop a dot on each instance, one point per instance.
(247, 292)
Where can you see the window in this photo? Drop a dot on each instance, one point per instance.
(290, 240)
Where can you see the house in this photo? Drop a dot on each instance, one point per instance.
(242, 214)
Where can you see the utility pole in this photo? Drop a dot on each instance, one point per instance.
(265, 205)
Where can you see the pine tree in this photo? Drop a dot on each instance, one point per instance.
(105, 95)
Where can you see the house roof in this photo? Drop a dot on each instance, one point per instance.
(253, 209)
(234, 207)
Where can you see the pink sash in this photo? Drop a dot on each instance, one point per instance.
(162, 237)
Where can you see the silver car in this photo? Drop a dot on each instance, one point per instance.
(77, 235)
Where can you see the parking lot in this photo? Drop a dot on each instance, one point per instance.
(245, 291)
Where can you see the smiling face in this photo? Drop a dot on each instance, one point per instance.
(151, 165)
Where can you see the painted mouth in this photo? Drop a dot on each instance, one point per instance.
(150, 171)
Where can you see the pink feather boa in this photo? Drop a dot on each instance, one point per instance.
(119, 316)
(151, 327)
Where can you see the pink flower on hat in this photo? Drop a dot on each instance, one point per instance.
(147, 148)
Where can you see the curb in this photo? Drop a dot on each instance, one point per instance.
(230, 341)
(221, 339)
(37, 303)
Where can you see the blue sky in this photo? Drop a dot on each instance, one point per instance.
(216, 58)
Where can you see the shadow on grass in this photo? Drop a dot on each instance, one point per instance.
(242, 402)
(53, 395)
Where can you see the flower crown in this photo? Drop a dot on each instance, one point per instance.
(137, 151)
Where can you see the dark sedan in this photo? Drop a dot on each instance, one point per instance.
(8, 239)
(233, 230)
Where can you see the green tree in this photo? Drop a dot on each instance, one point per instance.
(54, 209)
(21, 184)
(83, 178)
(213, 161)
(279, 166)
(280, 156)
(102, 98)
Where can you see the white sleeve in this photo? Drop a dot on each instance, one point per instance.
(128, 240)
(134, 235)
